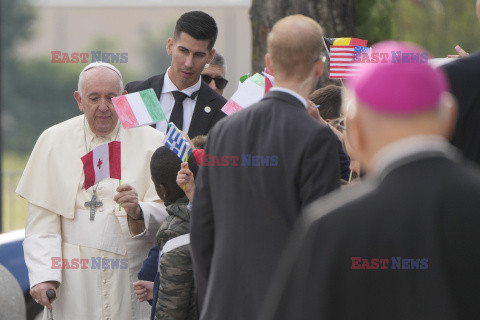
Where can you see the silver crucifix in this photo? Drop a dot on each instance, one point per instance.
(93, 204)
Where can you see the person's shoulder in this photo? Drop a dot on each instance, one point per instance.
(140, 85)
(465, 172)
(215, 100)
(64, 127)
(468, 64)
(340, 206)
(145, 135)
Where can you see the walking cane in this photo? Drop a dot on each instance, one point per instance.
(51, 295)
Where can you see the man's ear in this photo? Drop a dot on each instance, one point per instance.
(210, 55)
(353, 137)
(170, 43)
(124, 92)
(268, 63)
(164, 191)
(78, 98)
(319, 67)
(448, 114)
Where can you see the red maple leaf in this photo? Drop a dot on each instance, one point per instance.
(99, 164)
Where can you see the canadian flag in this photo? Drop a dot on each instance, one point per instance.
(101, 163)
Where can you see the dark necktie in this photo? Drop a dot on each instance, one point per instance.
(177, 113)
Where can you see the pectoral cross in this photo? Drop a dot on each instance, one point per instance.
(93, 204)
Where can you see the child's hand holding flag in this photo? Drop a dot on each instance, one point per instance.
(186, 180)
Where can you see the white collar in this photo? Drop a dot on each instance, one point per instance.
(293, 93)
(410, 149)
(168, 85)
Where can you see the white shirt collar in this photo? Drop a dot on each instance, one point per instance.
(409, 149)
(168, 85)
(293, 93)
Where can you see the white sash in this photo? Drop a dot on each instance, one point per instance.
(103, 233)
(172, 244)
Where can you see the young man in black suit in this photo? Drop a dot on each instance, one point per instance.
(262, 166)
(403, 244)
(186, 100)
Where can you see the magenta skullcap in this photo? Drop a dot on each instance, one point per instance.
(399, 86)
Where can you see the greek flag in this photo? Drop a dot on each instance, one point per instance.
(175, 141)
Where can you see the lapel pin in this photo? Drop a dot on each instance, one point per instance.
(207, 109)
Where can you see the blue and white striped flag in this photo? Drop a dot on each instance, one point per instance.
(175, 141)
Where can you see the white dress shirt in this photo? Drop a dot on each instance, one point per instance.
(293, 93)
(167, 101)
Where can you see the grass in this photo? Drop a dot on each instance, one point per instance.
(14, 208)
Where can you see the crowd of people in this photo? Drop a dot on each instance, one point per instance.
(354, 201)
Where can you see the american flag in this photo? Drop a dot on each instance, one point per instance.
(360, 52)
(342, 61)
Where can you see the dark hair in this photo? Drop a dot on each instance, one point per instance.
(330, 100)
(198, 25)
(165, 165)
(199, 142)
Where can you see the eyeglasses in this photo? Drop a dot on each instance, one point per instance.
(220, 82)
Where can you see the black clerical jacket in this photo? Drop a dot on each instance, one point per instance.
(405, 246)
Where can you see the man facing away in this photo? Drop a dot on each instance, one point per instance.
(261, 166)
(186, 100)
(90, 263)
(404, 243)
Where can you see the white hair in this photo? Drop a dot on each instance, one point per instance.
(98, 64)
(218, 60)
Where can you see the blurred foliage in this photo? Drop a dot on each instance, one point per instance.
(16, 18)
(35, 95)
(153, 47)
(437, 25)
(374, 20)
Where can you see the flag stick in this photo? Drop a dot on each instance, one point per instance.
(187, 167)
(119, 205)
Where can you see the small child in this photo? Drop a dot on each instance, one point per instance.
(173, 288)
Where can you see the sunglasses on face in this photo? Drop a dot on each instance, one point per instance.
(220, 82)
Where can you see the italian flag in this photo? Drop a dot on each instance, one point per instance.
(249, 92)
(101, 163)
(138, 109)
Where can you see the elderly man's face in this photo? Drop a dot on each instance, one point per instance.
(214, 71)
(100, 85)
(189, 57)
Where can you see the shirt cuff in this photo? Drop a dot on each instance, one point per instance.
(154, 214)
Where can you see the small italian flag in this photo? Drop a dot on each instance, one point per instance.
(101, 163)
(138, 109)
(249, 92)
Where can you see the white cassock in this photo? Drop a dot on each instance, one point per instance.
(100, 258)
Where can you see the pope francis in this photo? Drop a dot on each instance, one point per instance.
(90, 263)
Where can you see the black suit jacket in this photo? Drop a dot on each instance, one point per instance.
(464, 75)
(243, 214)
(202, 121)
(424, 209)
